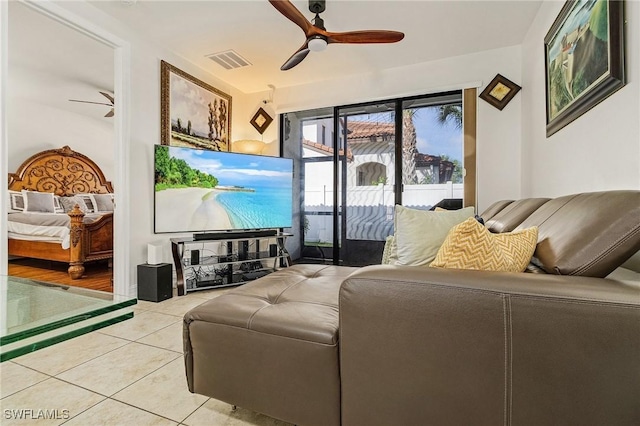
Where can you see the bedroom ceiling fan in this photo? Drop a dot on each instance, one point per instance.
(106, 95)
(317, 37)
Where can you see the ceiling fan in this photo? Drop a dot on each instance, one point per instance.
(317, 37)
(106, 95)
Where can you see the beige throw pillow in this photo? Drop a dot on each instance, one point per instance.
(419, 233)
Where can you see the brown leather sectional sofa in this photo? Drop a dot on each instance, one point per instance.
(401, 345)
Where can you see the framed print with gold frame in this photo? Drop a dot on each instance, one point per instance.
(193, 113)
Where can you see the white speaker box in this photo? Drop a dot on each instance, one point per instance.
(154, 253)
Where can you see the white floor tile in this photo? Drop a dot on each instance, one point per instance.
(213, 412)
(118, 369)
(140, 325)
(14, 378)
(61, 401)
(163, 392)
(177, 306)
(114, 413)
(70, 353)
(168, 338)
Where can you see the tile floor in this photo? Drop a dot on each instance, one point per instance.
(130, 373)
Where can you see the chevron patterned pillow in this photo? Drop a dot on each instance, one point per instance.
(470, 245)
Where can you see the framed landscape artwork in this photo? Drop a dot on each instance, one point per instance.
(584, 59)
(193, 113)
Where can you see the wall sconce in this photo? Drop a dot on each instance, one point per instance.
(248, 146)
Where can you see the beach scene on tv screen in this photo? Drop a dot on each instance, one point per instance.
(201, 190)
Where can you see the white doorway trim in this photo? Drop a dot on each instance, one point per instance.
(122, 89)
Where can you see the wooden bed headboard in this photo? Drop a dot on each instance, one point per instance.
(61, 171)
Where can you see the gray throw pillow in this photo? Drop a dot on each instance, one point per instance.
(103, 202)
(38, 201)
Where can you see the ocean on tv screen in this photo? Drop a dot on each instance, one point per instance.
(199, 190)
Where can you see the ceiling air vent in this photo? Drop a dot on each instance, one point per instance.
(229, 59)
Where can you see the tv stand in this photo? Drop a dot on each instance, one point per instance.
(235, 235)
(224, 259)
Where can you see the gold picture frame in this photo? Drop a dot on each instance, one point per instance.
(193, 113)
(500, 91)
(261, 120)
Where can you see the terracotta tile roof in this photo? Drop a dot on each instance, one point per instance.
(424, 160)
(325, 148)
(367, 129)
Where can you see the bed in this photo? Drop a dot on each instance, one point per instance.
(73, 233)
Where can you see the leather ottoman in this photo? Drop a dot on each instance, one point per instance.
(271, 345)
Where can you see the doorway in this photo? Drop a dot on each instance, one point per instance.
(119, 64)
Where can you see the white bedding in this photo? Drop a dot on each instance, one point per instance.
(24, 231)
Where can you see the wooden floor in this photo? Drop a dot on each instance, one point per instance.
(97, 275)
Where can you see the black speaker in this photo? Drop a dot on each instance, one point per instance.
(273, 250)
(195, 257)
(154, 282)
(243, 250)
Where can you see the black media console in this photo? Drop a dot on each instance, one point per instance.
(224, 259)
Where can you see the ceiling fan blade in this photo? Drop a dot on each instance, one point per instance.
(110, 113)
(366, 36)
(89, 102)
(296, 58)
(108, 96)
(293, 14)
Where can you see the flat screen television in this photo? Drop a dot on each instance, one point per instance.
(199, 190)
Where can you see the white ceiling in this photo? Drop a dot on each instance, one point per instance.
(50, 63)
(258, 32)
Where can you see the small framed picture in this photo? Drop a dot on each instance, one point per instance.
(261, 120)
(500, 91)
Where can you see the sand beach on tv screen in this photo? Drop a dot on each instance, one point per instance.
(190, 209)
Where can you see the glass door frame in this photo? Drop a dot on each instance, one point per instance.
(340, 181)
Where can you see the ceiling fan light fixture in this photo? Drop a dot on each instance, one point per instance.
(317, 44)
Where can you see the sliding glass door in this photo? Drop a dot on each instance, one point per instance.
(358, 161)
(367, 165)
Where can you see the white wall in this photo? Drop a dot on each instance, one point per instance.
(48, 64)
(35, 127)
(499, 134)
(598, 151)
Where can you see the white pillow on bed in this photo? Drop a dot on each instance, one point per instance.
(42, 202)
(16, 201)
(57, 205)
